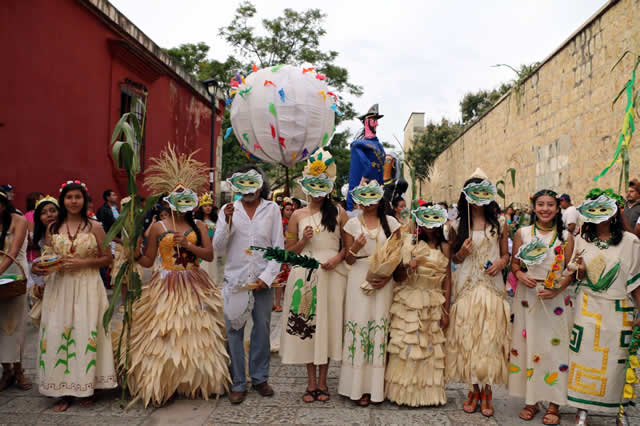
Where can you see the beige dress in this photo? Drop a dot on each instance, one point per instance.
(13, 312)
(367, 322)
(479, 333)
(415, 373)
(74, 352)
(210, 267)
(538, 368)
(602, 324)
(314, 338)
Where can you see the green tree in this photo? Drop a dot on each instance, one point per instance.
(426, 147)
(474, 104)
(190, 56)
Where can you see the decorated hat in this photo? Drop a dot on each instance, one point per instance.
(47, 199)
(320, 162)
(206, 199)
(479, 174)
(372, 113)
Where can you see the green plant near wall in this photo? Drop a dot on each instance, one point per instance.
(626, 132)
(518, 84)
(501, 185)
(129, 226)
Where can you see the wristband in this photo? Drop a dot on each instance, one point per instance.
(352, 253)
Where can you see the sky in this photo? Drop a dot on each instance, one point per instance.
(409, 56)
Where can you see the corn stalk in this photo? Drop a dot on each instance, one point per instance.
(129, 226)
(501, 186)
(622, 150)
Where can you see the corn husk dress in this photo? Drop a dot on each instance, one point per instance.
(313, 310)
(415, 373)
(540, 332)
(74, 352)
(13, 311)
(603, 320)
(177, 334)
(367, 322)
(479, 333)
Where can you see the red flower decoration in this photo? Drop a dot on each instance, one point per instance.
(536, 358)
(514, 352)
(558, 249)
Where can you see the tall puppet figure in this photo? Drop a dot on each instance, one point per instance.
(367, 154)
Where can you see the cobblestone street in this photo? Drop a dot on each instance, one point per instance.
(286, 407)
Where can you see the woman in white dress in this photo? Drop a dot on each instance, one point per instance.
(367, 318)
(208, 214)
(542, 314)
(13, 311)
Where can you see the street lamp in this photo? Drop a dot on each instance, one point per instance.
(212, 87)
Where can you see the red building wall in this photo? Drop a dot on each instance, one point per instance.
(60, 99)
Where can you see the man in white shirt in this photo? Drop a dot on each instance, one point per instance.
(249, 221)
(569, 214)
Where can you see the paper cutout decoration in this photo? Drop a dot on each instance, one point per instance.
(316, 186)
(533, 253)
(367, 194)
(246, 183)
(182, 199)
(599, 210)
(430, 217)
(481, 193)
(300, 119)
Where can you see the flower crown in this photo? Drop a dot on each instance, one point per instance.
(69, 182)
(47, 199)
(596, 192)
(542, 192)
(206, 199)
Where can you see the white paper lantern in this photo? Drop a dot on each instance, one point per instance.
(282, 114)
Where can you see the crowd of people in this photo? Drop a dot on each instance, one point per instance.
(406, 300)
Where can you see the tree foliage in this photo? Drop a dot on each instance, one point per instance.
(474, 104)
(427, 146)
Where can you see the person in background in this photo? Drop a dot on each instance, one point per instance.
(283, 276)
(399, 204)
(10, 191)
(631, 210)
(32, 199)
(251, 220)
(107, 215)
(209, 217)
(90, 210)
(13, 311)
(569, 214)
(297, 204)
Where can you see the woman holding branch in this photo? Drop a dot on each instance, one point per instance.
(479, 335)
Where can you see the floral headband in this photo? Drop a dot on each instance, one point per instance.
(543, 192)
(69, 182)
(47, 199)
(597, 192)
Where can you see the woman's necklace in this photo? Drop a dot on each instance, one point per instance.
(553, 228)
(316, 226)
(73, 237)
(602, 245)
(366, 230)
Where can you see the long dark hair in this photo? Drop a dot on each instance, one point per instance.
(438, 233)
(213, 215)
(463, 216)
(589, 232)
(32, 199)
(383, 206)
(557, 220)
(329, 214)
(6, 217)
(39, 228)
(188, 216)
(62, 212)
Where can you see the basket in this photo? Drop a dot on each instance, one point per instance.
(14, 288)
(48, 261)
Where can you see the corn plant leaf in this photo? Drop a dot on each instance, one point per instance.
(117, 287)
(500, 193)
(513, 176)
(117, 130)
(117, 226)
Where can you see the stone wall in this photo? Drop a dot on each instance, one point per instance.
(564, 130)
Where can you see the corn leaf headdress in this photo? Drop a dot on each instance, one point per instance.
(318, 176)
(171, 169)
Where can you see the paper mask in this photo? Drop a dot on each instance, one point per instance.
(481, 193)
(533, 253)
(182, 199)
(316, 186)
(404, 215)
(430, 217)
(367, 194)
(599, 210)
(246, 183)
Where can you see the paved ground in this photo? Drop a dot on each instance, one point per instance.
(289, 382)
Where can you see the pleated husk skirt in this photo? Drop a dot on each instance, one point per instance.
(479, 336)
(415, 373)
(177, 339)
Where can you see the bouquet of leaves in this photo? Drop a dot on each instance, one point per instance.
(384, 261)
(127, 134)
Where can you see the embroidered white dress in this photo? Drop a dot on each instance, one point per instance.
(602, 324)
(13, 312)
(74, 352)
(367, 322)
(538, 365)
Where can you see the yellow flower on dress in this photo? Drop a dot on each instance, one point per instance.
(317, 167)
(92, 342)
(628, 392)
(633, 361)
(630, 376)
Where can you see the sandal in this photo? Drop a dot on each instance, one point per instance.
(486, 407)
(581, 418)
(88, 401)
(322, 392)
(471, 404)
(63, 404)
(365, 400)
(553, 414)
(529, 412)
(312, 393)
(7, 377)
(278, 308)
(21, 381)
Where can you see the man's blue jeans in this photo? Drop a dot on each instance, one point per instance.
(260, 349)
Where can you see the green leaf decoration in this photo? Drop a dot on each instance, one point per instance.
(285, 256)
(272, 110)
(62, 347)
(513, 176)
(276, 68)
(92, 363)
(61, 362)
(325, 139)
(71, 355)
